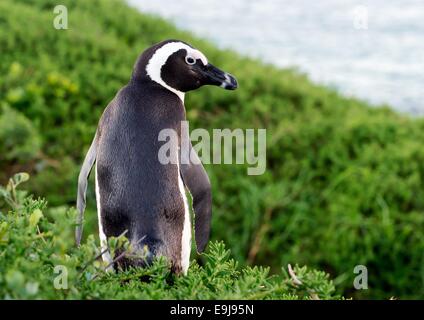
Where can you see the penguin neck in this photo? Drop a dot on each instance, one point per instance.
(145, 79)
(179, 94)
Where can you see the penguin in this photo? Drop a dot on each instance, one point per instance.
(136, 194)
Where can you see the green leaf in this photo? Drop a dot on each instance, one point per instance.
(20, 178)
(35, 217)
(15, 279)
(4, 232)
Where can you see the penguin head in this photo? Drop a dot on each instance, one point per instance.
(179, 67)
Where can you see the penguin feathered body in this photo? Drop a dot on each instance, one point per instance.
(135, 192)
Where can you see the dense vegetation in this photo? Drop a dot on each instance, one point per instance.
(39, 260)
(343, 185)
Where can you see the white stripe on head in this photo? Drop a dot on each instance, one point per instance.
(161, 55)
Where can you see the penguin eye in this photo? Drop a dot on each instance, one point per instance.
(190, 60)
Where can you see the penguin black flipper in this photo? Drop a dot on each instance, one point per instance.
(197, 181)
(89, 160)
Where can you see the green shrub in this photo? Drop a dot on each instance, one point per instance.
(344, 181)
(39, 260)
(20, 141)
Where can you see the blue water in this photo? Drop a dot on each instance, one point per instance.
(370, 49)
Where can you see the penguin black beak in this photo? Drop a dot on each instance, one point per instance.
(217, 77)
